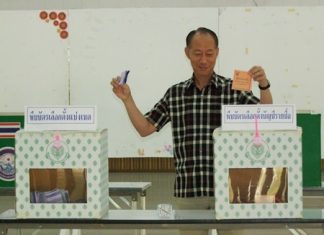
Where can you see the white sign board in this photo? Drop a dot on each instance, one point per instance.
(268, 117)
(60, 118)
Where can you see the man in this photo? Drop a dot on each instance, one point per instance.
(194, 109)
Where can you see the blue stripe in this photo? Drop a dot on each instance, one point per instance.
(8, 130)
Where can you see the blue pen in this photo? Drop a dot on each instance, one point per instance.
(123, 77)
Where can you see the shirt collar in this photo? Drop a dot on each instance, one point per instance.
(215, 80)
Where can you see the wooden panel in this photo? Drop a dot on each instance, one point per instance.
(137, 164)
(147, 164)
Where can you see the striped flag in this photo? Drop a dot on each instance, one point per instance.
(8, 129)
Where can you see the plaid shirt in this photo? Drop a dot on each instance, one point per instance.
(194, 114)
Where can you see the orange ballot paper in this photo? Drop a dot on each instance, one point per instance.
(242, 81)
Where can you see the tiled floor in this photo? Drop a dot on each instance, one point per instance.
(156, 196)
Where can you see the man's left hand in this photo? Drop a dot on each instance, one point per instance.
(257, 73)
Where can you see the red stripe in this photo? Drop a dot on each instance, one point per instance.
(7, 136)
(9, 123)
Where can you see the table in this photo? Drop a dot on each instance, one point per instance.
(120, 189)
(148, 219)
(132, 189)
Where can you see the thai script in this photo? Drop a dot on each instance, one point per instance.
(260, 115)
(59, 116)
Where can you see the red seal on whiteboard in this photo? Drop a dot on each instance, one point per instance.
(53, 15)
(43, 15)
(61, 16)
(59, 21)
(64, 34)
(63, 25)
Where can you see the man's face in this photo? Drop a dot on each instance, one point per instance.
(202, 54)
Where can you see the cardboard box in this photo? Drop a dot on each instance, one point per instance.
(260, 179)
(61, 174)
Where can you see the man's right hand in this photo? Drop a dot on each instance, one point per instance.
(122, 91)
(141, 124)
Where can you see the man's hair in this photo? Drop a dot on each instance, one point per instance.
(201, 30)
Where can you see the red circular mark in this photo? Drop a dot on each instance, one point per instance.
(64, 34)
(61, 16)
(55, 22)
(63, 25)
(43, 15)
(53, 15)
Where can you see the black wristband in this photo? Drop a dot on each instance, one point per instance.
(265, 87)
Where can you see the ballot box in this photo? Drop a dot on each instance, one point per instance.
(61, 174)
(258, 179)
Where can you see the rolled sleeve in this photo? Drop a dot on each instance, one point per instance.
(159, 115)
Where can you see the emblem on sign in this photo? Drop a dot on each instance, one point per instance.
(7, 167)
(257, 152)
(57, 151)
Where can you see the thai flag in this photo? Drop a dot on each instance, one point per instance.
(8, 129)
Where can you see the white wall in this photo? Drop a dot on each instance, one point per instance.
(34, 64)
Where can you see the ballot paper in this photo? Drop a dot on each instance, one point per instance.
(123, 77)
(242, 81)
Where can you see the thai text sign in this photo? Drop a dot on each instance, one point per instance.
(60, 118)
(267, 117)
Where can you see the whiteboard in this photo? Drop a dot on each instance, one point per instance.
(287, 42)
(148, 42)
(34, 62)
(38, 67)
